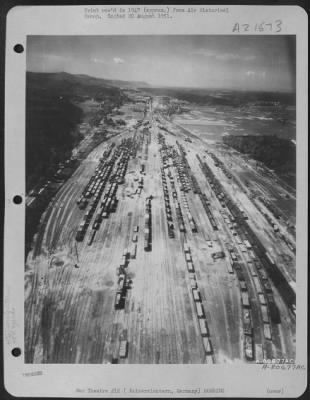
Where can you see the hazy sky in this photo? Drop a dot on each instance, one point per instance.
(241, 62)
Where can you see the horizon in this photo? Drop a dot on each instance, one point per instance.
(150, 86)
(260, 63)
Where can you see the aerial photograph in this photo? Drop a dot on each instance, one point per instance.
(160, 199)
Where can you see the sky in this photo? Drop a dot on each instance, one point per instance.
(226, 62)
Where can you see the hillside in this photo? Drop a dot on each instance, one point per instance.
(53, 111)
(62, 83)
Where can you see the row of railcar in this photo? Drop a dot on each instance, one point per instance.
(231, 223)
(263, 303)
(203, 197)
(269, 219)
(95, 185)
(191, 180)
(275, 225)
(191, 220)
(182, 167)
(273, 209)
(110, 201)
(134, 146)
(148, 225)
(167, 154)
(195, 185)
(133, 250)
(140, 185)
(200, 312)
(120, 296)
(266, 301)
(108, 205)
(98, 178)
(139, 140)
(229, 266)
(248, 342)
(221, 165)
(289, 244)
(207, 206)
(180, 216)
(264, 290)
(106, 170)
(248, 339)
(121, 291)
(91, 211)
(247, 308)
(274, 272)
(262, 284)
(123, 348)
(220, 192)
(168, 210)
(232, 254)
(247, 320)
(147, 134)
(123, 282)
(101, 173)
(118, 175)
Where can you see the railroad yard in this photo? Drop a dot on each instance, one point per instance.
(163, 248)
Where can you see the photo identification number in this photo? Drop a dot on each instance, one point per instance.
(266, 27)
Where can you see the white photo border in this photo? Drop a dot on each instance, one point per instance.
(63, 380)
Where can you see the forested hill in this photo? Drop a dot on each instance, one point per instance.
(276, 153)
(50, 121)
(52, 115)
(65, 84)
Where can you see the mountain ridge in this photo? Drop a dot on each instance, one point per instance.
(85, 79)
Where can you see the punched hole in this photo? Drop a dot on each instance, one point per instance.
(16, 352)
(18, 48)
(17, 199)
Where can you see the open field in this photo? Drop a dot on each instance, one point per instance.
(163, 248)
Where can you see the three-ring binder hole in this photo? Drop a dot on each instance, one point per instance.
(16, 352)
(18, 48)
(17, 199)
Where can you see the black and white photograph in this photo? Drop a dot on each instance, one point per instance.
(155, 201)
(161, 199)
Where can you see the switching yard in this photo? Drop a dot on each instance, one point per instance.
(157, 250)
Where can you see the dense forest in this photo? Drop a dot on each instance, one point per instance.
(276, 153)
